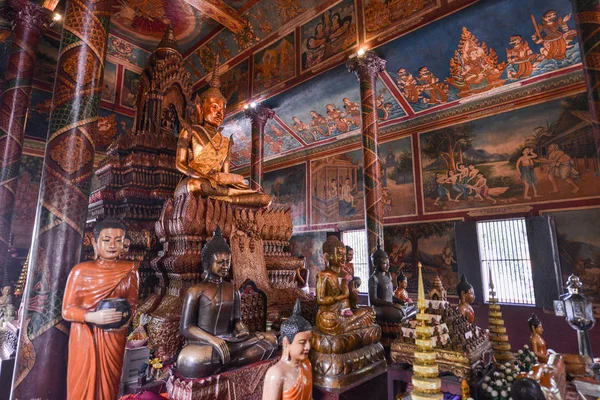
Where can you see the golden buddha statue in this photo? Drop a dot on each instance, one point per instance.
(335, 315)
(466, 296)
(203, 154)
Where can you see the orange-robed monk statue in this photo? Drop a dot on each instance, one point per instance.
(100, 298)
(203, 154)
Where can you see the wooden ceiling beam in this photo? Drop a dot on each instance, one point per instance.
(220, 12)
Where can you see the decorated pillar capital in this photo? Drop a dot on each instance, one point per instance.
(259, 114)
(366, 66)
(30, 15)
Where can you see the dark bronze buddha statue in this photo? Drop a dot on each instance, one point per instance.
(388, 307)
(466, 296)
(210, 321)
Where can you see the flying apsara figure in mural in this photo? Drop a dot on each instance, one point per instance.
(520, 57)
(554, 35)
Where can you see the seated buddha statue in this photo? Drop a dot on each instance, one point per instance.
(466, 296)
(401, 285)
(388, 307)
(536, 341)
(203, 154)
(210, 321)
(335, 315)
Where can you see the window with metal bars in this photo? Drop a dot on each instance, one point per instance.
(357, 239)
(504, 256)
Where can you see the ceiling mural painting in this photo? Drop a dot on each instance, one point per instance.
(491, 47)
(123, 52)
(380, 16)
(274, 64)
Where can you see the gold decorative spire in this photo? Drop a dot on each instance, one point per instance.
(498, 336)
(213, 91)
(426, 377)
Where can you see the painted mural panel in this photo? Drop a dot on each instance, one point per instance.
(39, 114)
(329, 105)
(287, 186)
(536, 154)
(274, 64)
(309, 245)
(489, 47)
(382, 15)
(329, 34)
(337, 191)
(47, 58)
(126, 53)
(109, 82)
(234, 84)
(238, 127)
(397, 180)
(578, 235)
(26, 200)
(129, 90)
(277, 140)
(111, 125)
(433, 244)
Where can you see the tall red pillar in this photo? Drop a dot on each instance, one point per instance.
(29, 21)
(367, 67)
(40, 371)
(259, 115)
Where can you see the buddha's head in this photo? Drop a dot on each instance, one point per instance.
(295, 335)
(211, 104)
(380, 260)
(349, 254)
(108, 239)
(465, 291)
(401, 281)
(216, 257)
(334, 253)
(535, 325)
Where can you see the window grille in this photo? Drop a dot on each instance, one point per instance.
(357, 239)
(504, 253)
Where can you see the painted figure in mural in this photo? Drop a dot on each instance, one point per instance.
(333, 189)
(482, 190)
(337, 118)
(335, 315)
(203, 155)
(210, 320)
(388, 308)
(397, 258)
(303, 129)
(526, 169)
(430, 85)
(440, 189)
(291, 377)
(536, 341)
(478, 70)
(408, 86)
(554, 35)
(383, 111)
(386, 201)
(520, 56)
(466, 296)
(401, 292)
(319, 124)
(347, 189)
(352, 112)
(98, 335)
(560, 165)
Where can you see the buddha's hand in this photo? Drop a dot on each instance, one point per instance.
(221, 347)
(241, 330)
(103, 317)
(341, 297)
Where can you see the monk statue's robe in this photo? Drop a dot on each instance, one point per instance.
(302, 388)
(96, 355)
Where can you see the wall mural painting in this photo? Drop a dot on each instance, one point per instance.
(47, 58)
(491, 45)
(337, 192)
(287, 186)
(26, 200)
(381, 15)
(129, 91)
(309, 245)
(126, 53)
(578, 235)
(238, 127)
(397, 180)
(39, 114)
(536, 154)
(109, 82)
(432, 244)
(277, 140)
(274, 64)
(329, 34)
(110, 126)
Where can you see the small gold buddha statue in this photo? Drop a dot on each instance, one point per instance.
(536, 341)
(466, 296)
(335, 315)
(401, 292)
(203, 154)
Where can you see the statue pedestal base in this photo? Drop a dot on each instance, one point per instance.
(371, 386)
(242, 383)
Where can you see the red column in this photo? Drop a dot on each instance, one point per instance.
(259, 116)
(40, 371)
(28, 25)
(367, 68)
(587, 19)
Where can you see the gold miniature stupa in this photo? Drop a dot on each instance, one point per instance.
(498, 336)
(426, 378)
